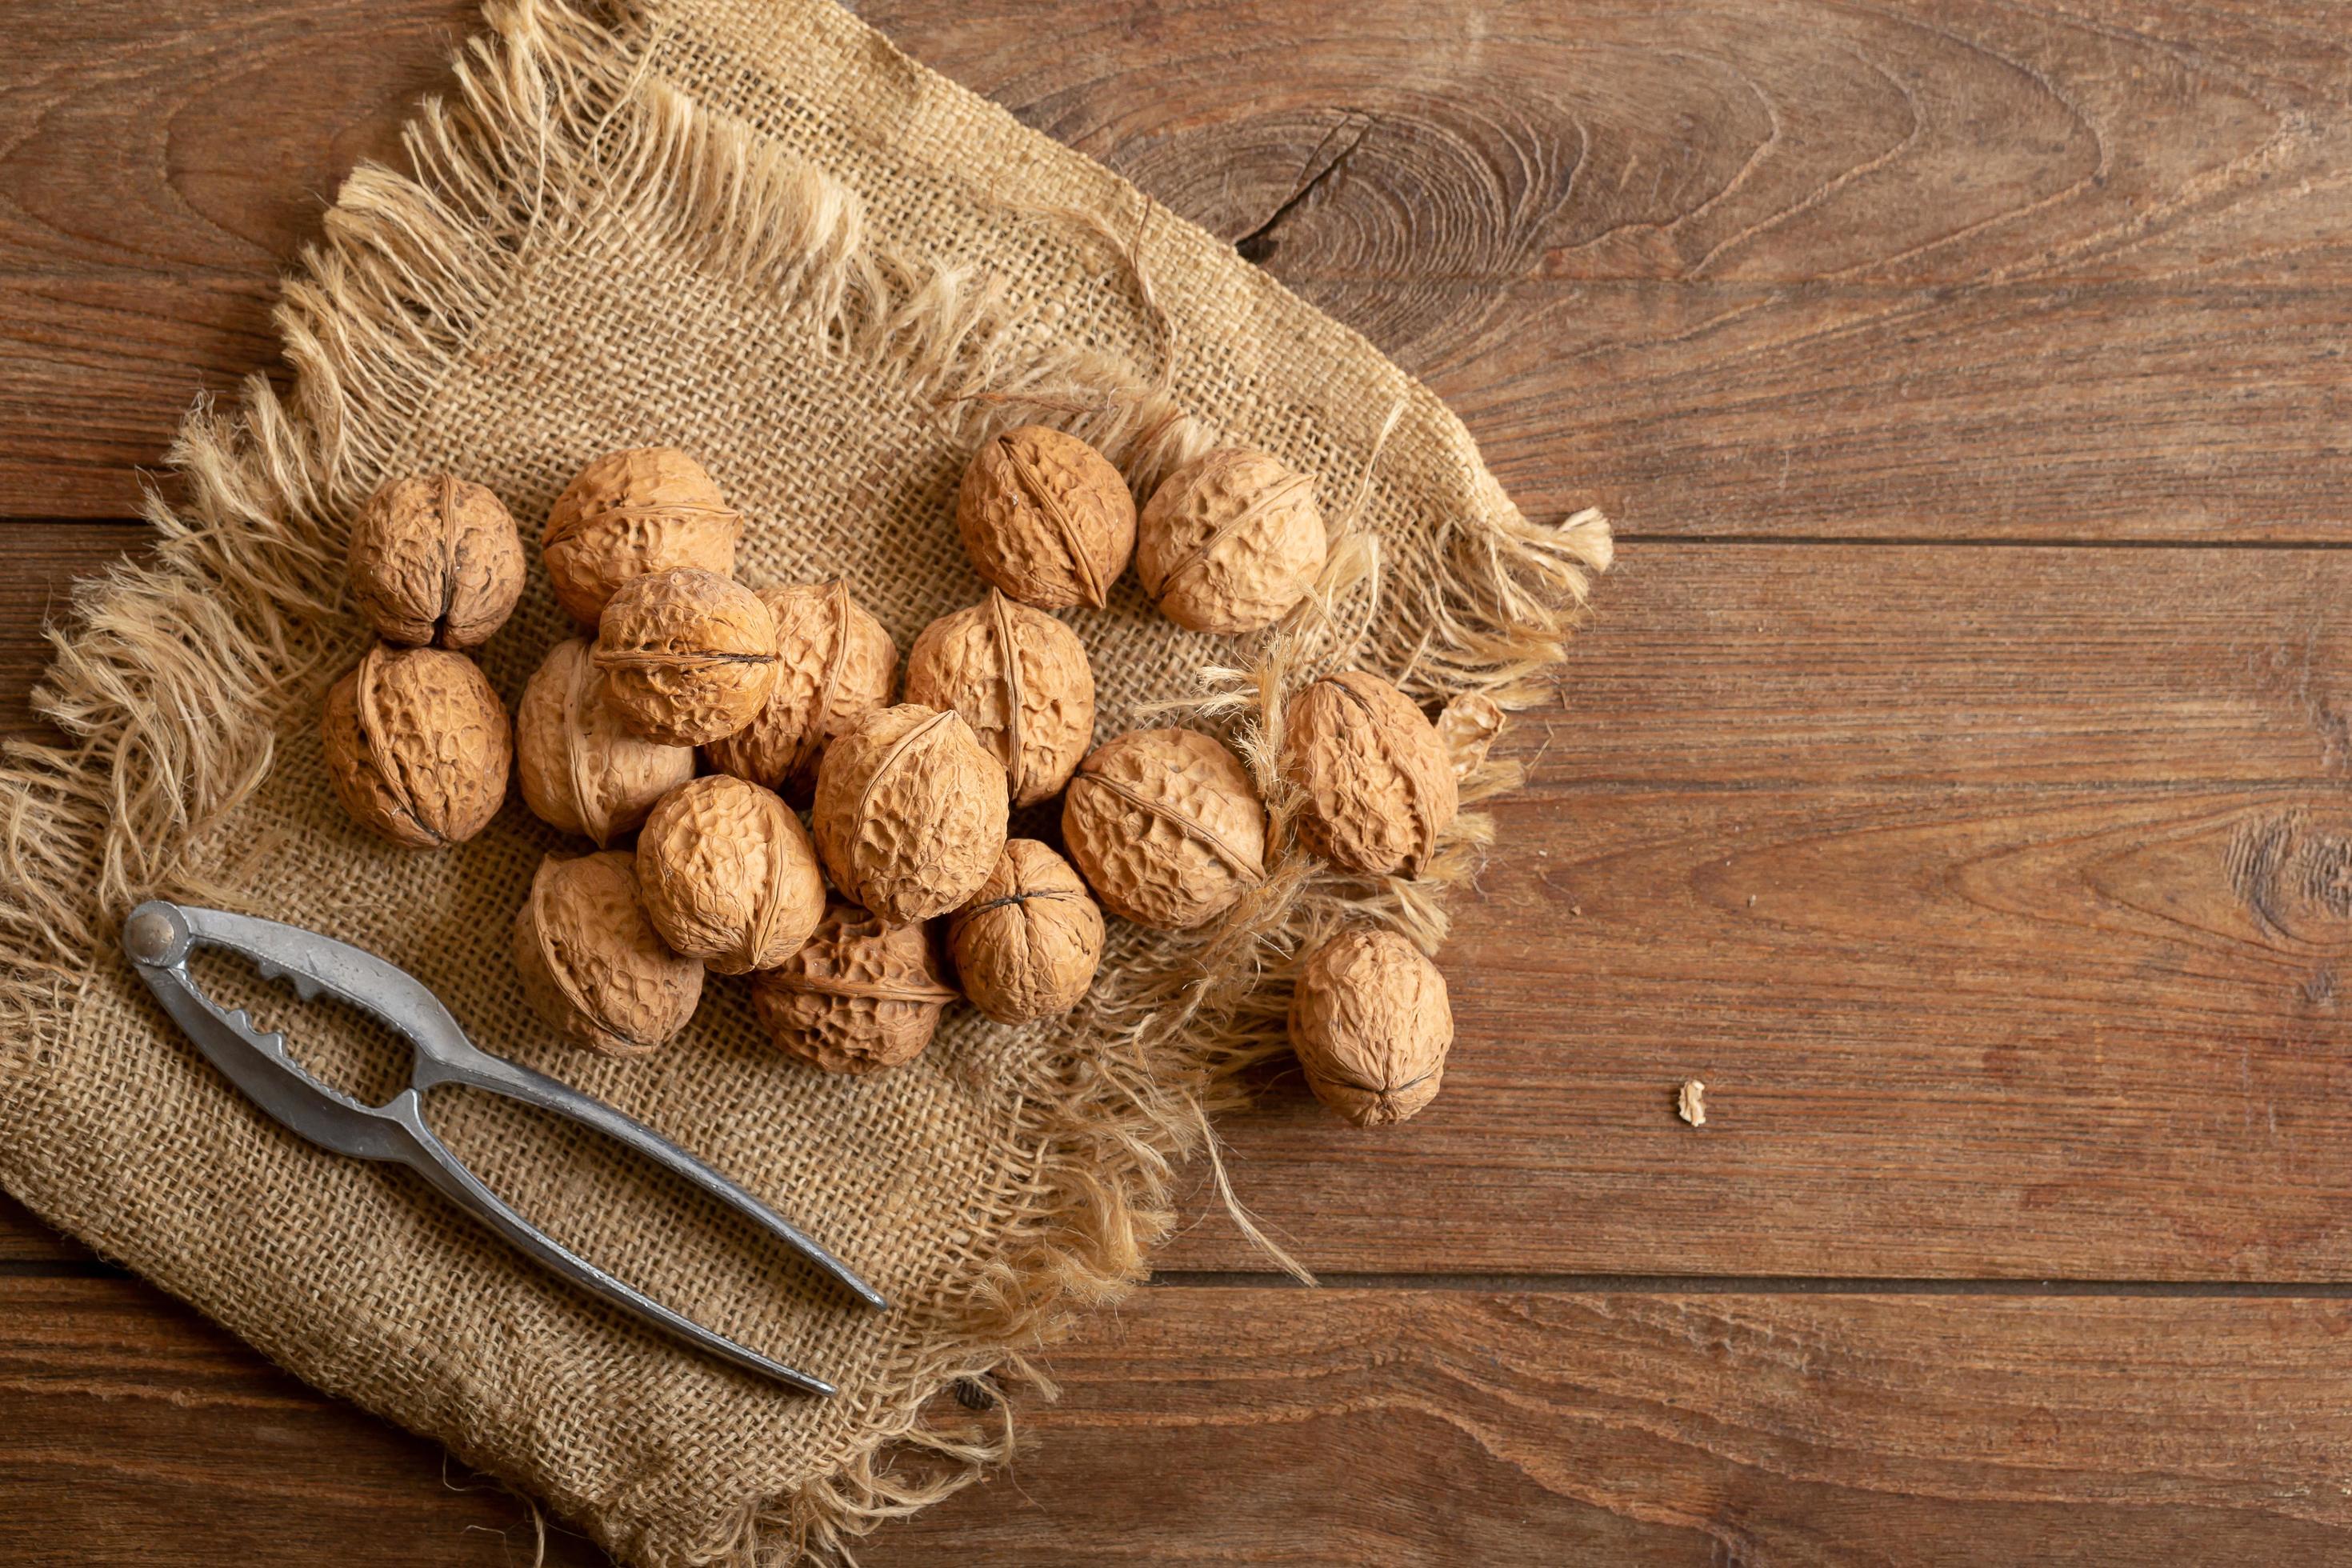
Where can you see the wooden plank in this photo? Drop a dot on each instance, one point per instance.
(1786, 269)
(159, 165)
(2039, 976)
(1344, 1426)
(139, 1433)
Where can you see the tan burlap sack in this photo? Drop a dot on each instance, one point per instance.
(751, 228)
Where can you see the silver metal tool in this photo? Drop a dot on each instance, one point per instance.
(160, 936)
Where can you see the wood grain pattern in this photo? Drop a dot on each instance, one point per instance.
(159, 165)
(1766, 267)
(1346, 1426)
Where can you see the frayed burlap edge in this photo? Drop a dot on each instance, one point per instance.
(171, 671)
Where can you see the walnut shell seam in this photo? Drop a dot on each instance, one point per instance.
(1279, 495)
(1245, 867)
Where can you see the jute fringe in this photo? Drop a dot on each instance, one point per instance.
(170, 668)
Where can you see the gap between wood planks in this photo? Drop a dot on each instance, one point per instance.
(1581, 1284)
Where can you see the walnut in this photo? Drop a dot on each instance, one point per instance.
(417, 746)
(592, 965)
(1165, 827)
(1021, 680)
(728, 876)
(581, 770)
(909, 813)
(1371, 1026)
(1229, 543)
(861, 995)
(1378, 787)
(1026, 945)
(834, 665)
(1046, 518)
(650, 508)
(686, 655)
(435, 561)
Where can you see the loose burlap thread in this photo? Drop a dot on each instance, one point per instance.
(753, 229)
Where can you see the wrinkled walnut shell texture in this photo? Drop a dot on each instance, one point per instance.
(1021, 680)
(909, 813)
(1046, 518)
(1027, 944)
(728, 874)
(581, 770)
(1165, 827)
(435, 561)
(686, 655)
(593, 966)
(835, 664)
(650, 508)
(860, 995)
(1371, 1026)
(1230, 542)
(1377, 784)
(417, 746)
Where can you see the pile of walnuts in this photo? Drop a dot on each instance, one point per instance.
(704, 717)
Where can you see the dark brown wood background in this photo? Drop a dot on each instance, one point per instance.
(1955, 778)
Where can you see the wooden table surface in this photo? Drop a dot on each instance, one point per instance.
(1955, 779)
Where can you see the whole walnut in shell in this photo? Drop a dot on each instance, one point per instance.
(1046, 518)
(417, 745)
(1377, 782)
(435, 561)
(861, 995)
(909, 813)
(1021, 680)
(686, 655)
(1165, 827)
(581, 770)
(1230, 542)
(728, 874)
(650, 508)
(1372, 1026)
(592, 965)
(1027, 944)
(835, 664)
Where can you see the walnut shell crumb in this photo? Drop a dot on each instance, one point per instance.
(1690, 1102)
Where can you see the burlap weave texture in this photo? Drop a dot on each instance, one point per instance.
(753, 229)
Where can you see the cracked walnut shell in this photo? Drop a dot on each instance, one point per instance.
(1027, 944)
(1377, 782)
(417, 746)
(728, 874)
(650, 508)
(1021, 680)
(860, 995)
(835, 664)
(592, 964)
(686, 655)
(581, 770)
(435, 562)
(1165, 827)
(909, 814)
(1046, 518)
(1371, 1026)
(1228, 544)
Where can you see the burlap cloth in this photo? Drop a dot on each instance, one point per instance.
(753, 229)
